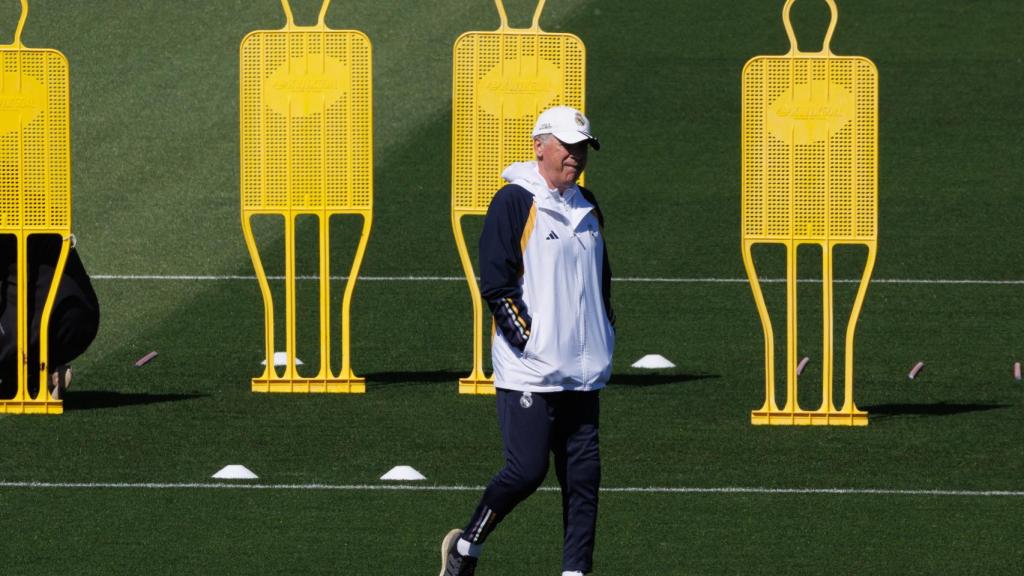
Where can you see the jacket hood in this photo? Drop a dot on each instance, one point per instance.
(527, 175)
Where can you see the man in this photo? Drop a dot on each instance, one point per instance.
(544, 274)
(74, 319)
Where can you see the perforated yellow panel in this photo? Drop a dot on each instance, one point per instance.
(307, 139)
(502, 81)
(306, 148)
(35, 174)
(35, 188)
(809, 135)
(810, 176)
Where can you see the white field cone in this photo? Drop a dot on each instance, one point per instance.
(653, 362)
(235, 472)
(403, 473)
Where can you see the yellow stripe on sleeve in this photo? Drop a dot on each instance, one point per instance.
(528, 229)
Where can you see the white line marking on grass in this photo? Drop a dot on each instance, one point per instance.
(836, 491)
(818, 281)
(225, 278)
(415, 488)
(633, 280)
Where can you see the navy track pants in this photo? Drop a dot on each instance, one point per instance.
(564, 424)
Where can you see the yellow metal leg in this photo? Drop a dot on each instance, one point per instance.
(792, 405)
(763, 415)
(44, 330)
(324, 230)
(477, 382)
(290, 372)
(23, 321)
(269, 373)
(849, 411)
(827, 315)
(348, 381)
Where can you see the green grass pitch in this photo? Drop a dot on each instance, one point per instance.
(155, 176)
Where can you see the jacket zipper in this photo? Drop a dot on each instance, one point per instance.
(578, 248)
(581, 282)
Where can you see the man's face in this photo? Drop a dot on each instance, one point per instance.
(560, 163)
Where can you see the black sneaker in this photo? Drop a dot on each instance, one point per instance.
(453, 563)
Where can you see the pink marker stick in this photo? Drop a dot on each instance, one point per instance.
(915, 370)
(1016, 371)
(142, 361)
(803, 364)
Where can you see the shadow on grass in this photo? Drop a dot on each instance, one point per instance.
(98, 399)
(641, 380)
(447, 376)
(413, 377)
(939, 409)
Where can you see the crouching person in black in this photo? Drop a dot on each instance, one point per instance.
(74, 320)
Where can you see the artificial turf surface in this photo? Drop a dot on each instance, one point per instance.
(155, 159)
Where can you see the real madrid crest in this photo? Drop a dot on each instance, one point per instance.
(526, 400)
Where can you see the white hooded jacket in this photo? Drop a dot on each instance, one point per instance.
(547, 285)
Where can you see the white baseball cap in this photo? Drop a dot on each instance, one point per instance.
(567, 124)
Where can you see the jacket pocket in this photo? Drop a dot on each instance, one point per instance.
(530, 349)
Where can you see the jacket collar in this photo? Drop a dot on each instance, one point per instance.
(571, 205)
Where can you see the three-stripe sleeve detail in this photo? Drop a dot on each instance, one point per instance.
(482, 527)
(519, 321)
